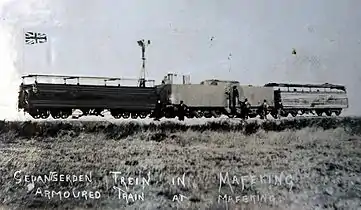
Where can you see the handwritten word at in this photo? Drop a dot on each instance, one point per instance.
(179, 181)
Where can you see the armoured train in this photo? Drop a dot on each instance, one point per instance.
(210, 98)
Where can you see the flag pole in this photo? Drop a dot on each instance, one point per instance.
(49, 52)
(23, 51)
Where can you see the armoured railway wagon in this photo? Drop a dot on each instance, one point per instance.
(210, 98)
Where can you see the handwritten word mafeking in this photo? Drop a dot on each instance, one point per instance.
(251, 179)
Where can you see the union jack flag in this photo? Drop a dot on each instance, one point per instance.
(35, 37)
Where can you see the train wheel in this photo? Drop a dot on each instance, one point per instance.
(337, 112)
(117, 116)
(85, 111)
(55, 114)
(142, 115)
(274, 115)
(126, 115)
(35, 113)
(134, 115)
(207, 115)
(328, 113)
(44, 114)
(64, 114)
(216, 114)
(284, 113)
(294, 114)
(319, 113)
(200, 114)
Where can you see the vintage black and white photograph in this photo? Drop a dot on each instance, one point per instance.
(180, 104)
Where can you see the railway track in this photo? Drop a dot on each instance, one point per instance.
(187, 120)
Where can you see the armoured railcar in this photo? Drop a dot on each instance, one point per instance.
(41, 99)
(214, 97)
(310, 98)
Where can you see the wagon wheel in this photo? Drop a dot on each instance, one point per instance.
(126, 115)
(134, 116)
(142, 115)
(294, 114)
(64, 114)
(117, 116)
(85, 111)
(55, 114)
(44, 114)
(35, 114)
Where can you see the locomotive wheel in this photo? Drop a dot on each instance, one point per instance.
(200, 114)
(252, 115)
(337, 112)
(216, 114)
(207, 115)
(319, 113)
(328, 113)
(274, 115)
(284, 113)
(126, 115)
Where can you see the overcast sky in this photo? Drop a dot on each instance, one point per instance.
(98, 37)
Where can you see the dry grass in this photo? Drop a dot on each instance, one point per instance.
(323, 156)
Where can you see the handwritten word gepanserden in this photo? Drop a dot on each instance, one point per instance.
(51, 177)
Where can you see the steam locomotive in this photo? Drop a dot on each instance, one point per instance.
(60, 96)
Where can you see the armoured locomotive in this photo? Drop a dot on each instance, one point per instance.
(210, 98)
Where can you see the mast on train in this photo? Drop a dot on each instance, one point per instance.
(143, 44)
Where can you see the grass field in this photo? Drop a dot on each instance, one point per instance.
(312, 163)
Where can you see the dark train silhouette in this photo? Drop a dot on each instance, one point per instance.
(59, 96)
